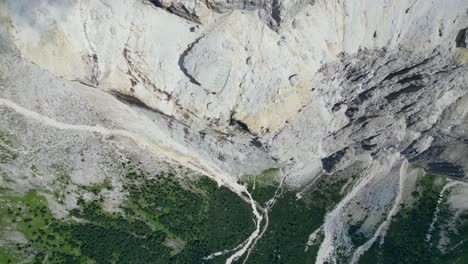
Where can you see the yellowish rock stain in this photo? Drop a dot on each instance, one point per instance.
(281, 108)
(55, 53)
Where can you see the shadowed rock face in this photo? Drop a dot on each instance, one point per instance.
(462, 38)
(394, 102)
(273, 12)
(381, 102)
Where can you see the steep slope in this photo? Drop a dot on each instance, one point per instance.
(370, 96)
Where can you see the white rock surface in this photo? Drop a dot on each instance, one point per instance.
(232, 87)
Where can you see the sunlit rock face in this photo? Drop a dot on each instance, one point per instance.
(234, 87)
(309, 78)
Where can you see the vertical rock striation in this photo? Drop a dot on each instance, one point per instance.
(233, 87)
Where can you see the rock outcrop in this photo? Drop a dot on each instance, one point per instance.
(233, 87)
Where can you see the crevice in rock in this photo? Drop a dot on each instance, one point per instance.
(240, 125)
(329, 162)
(409, 89)
(134, 101)
(368, 147)
(276, 13)
(355, 74)
(256, 142)
(462, 38)
(220, 7)
(406, 108)
(91, 59)
(429, 154)
(179, 10)
(139, 76)
(369, 139)
(84, 83)
(131, 100)
(351, 111)
(407, 69)
(363, 96)
(337, 106)
(410, 79)
(182, 59)
(446, 168)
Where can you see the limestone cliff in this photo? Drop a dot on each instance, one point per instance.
(228, 88)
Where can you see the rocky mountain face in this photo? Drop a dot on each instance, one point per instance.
(292, 100)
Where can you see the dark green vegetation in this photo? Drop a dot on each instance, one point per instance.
(5, 257)
(406, 240)
(30, 215)
(207, 218)
(7, 151)
(164, 221)
(96, 189)
(292, 220)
